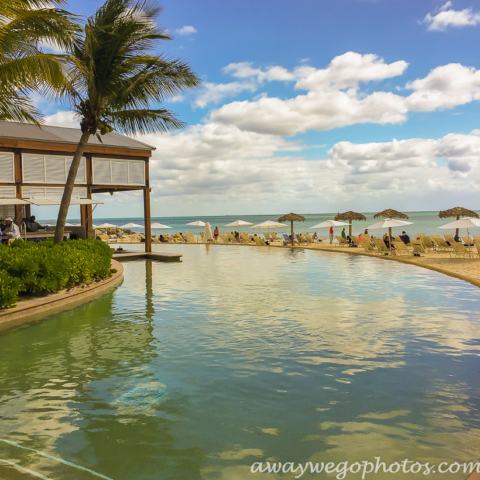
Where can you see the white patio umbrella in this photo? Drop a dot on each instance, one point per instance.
(389, 223)
(156, 225)
(198, 224)
(131, 225)
(107, 225)
(270, 224)
(208, 233)
(238, 223)
(329, 223)
(467, 222)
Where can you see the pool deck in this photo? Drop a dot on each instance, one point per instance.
(36, 308)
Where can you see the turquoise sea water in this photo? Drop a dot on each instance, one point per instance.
(253, 354)
(423, 222)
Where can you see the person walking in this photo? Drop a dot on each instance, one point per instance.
(216, 232)
(331, 235)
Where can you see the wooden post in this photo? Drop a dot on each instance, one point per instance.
(457, 231)
(146, 209)
(18, 180)
(390, 239)
(291, 223)
(350, 228)
(28, 211)
(147, 219)
(88, 210)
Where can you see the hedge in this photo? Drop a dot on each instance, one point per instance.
(43, 267)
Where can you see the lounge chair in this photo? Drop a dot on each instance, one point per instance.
(309, 239)
(259, 241)
(381, 246)
(476, 238)
(267, 237)
(274, 236)
(400, 248)
(355, 241)
(441, 243)
(459, 250)
(449, 238)
(418, 247)
(341, 241)
(467, 241)
(301, 238)
(428, 242)
(368, 247)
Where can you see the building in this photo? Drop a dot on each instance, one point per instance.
(34, 164)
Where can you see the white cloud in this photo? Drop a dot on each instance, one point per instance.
(186, 30)
(314, 111)
(247, 171)
(446, 16)
(215, 92)
(63, 119)
(245, 70)
(444, 87)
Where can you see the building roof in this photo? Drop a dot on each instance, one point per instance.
(46, 133)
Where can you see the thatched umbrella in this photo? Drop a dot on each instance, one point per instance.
(458, 212)
(390, 213)
(291, 217)
(349, 216)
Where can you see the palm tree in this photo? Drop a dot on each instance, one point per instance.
(115, 80)
(24, 26)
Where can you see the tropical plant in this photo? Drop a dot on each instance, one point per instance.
(25, 26)
(43, 267)
(117, 83)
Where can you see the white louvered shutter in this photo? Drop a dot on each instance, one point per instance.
(7, 167)
(33, 167)
(136, 174)
(102, 174)
(8, 192)
(119, 172)
(55, 169)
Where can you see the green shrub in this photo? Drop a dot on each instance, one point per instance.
(36, 268)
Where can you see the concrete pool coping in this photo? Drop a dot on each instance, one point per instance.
(36, 308)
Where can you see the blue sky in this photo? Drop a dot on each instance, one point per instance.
(316, 106)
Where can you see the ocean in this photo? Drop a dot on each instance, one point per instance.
(422, 222)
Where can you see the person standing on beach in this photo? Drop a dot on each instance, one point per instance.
(216, 232)
(344, 235)
(331, 234)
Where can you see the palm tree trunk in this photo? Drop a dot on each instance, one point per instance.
(67, 192)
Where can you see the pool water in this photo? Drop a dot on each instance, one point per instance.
(240, 355)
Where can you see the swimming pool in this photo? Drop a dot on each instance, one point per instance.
(196, 370)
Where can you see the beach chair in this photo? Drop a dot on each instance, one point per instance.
(459, 250)
(274, 236)
(224, 238)
(368, 247)
(168, 238)
(440, 242)
(449, 238)
(400, 248)
(367, 238)
(301, 239)
(341, 241)
(418, 247)
(259, 241)
(309, 239)
(355, 241)
(476, 239)
(467, 241)
(381, 246)
(267, 237)
(428, 242)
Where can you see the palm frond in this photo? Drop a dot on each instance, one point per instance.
(145, 121)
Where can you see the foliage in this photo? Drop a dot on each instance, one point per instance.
(37, 268)
(25, 26)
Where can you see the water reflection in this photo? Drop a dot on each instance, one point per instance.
(265, 353)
